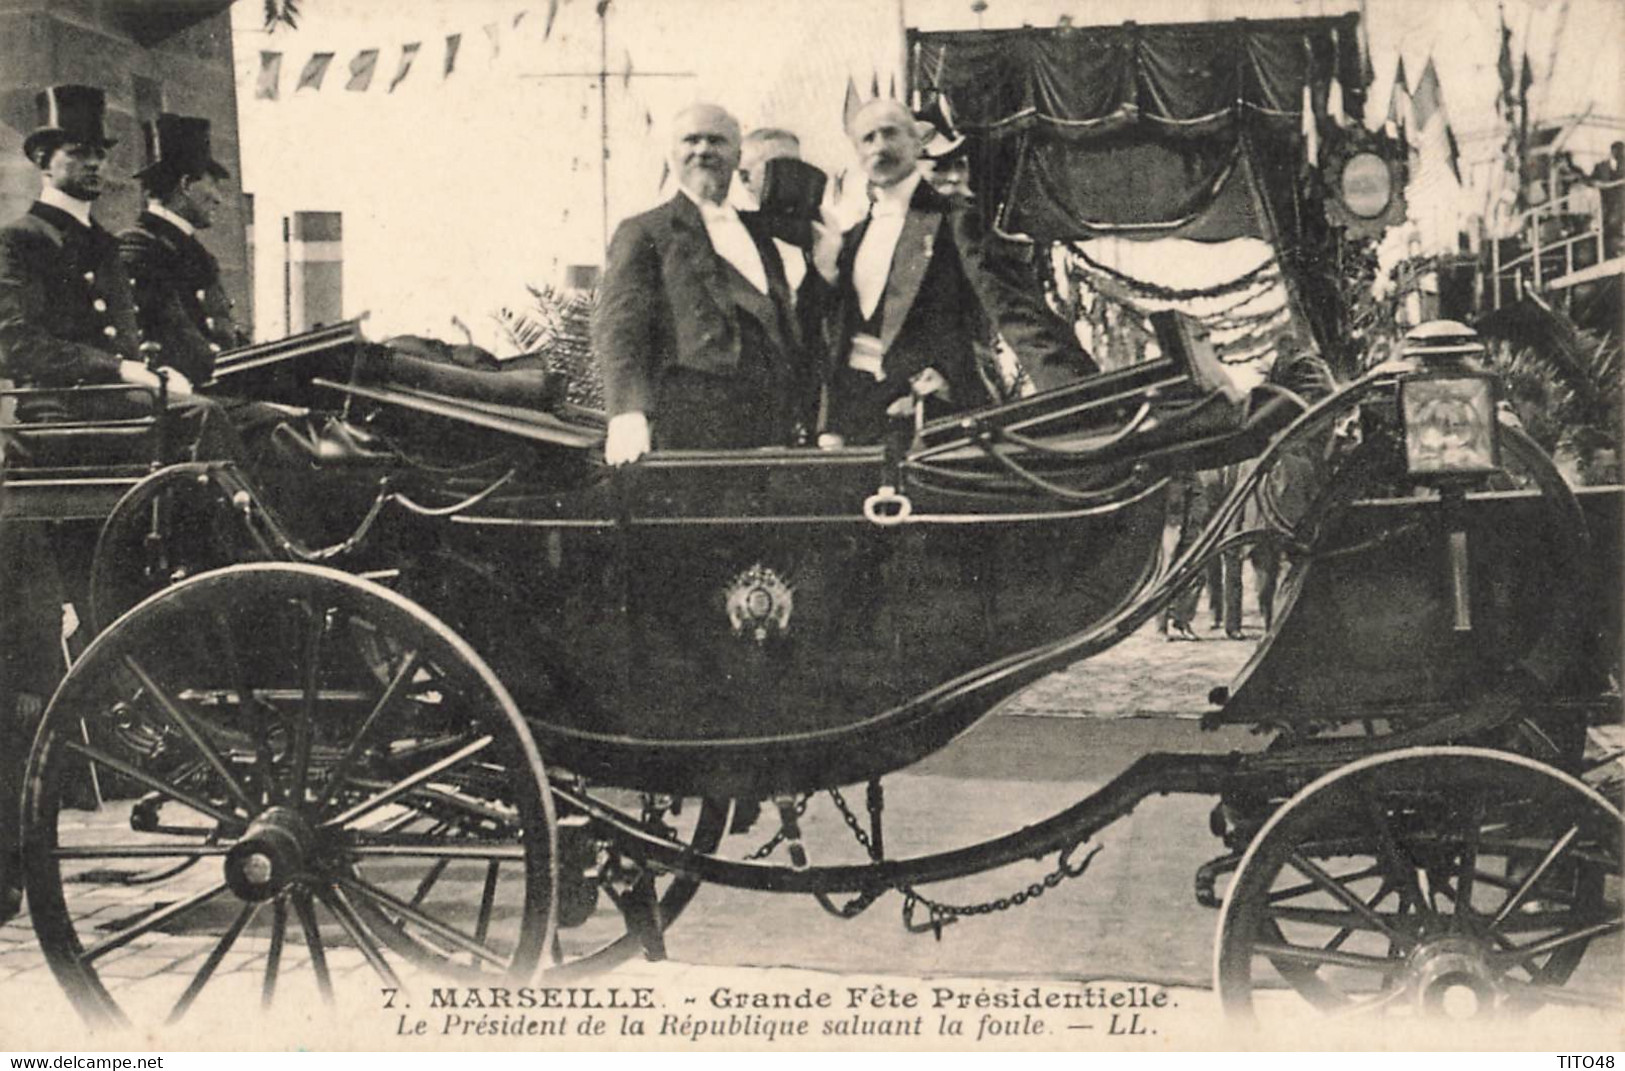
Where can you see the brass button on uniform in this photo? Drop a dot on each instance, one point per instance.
(110, 331)
(201, 295)
(90, 277)
(99, 305)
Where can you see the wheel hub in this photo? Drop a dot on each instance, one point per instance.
(270, 855)
(1451, 978)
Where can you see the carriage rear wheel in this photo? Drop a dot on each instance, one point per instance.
(178, 522)
(1442, 881)
(399, 830)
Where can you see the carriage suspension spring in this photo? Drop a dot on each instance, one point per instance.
(938, 914)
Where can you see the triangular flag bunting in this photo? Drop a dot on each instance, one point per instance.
(315, 70)
(493, 31)
(874, 85)
(454, 41)
(891, 88)
(408, 54)
(517, 19)
(626, 72)
(361, 69)
(552, 13)
(1399, 99)
(1428, 96)
(270, 75)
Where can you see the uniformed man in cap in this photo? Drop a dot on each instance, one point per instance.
(182, 305)
(67, 313)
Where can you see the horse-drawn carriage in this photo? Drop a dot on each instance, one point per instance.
(446, 697)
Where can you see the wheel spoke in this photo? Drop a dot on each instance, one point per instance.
(205, 972)
(1294, 891)
(392, 692)
(472, 944)
(313, 941)
(1309, 870)
(342, 910)
(150, 923)
(488, 898)
(94, 754)
(1556, 896)
(1325, 957)
(1401, 865)
(138, 851)
(316, 628)
(1521, 893)
(407, 784)
(1463, 894)
(172, 710)
(428, 849)
(249, 704)
(1348, 922)
(441, 798)
(1551, 944)
(273, 956)
(429, 880)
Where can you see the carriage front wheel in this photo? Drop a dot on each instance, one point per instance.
(1440, 881)
(335, 832)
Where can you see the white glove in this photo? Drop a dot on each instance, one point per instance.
(137, 374)
(179, 385)
(925, 383)
(929, 381)
(627, 438)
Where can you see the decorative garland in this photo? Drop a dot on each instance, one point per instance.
(1158, 292)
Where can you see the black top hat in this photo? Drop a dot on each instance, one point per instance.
(68, 114)
(178, 145)
(792, 187)
(942, 141)
(792, 190)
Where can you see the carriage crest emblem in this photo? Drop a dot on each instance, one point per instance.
(759, 603)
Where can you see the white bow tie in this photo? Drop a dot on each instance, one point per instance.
(718, 213)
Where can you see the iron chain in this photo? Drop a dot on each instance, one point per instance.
(940, 914)
(778, 838)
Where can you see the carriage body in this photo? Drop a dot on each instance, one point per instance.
(745, 625)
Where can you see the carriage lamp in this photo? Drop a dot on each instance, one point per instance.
(1450, 424)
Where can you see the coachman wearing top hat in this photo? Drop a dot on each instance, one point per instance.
(67, 318)
(182, 305)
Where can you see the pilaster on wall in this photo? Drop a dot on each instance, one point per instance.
(189, 70)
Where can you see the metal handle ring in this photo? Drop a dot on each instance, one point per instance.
(886, 507)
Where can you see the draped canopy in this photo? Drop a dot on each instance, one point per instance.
(1140, 131)
(1195, 130)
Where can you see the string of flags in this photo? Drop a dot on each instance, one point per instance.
(363, 66)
